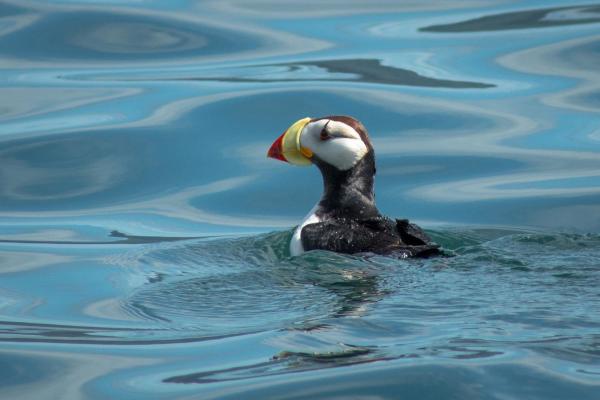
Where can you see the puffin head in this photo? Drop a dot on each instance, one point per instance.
(336, 141)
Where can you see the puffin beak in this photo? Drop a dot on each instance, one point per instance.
(287, 146)
(276, 149)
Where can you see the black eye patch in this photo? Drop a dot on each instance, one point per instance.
(324, 134)
(336, 133)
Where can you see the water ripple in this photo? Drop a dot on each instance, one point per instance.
(70, 35)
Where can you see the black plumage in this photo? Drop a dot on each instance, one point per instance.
(380, 235)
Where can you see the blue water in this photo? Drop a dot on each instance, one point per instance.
(144, 234)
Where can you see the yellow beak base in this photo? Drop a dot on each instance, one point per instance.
(291, 149)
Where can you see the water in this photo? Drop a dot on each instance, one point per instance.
(143, 233)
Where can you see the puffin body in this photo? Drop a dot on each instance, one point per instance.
(346, 219)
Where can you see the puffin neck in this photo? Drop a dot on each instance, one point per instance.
(348, 194)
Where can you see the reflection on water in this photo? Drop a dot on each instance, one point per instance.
(367, 71)
(528, 19)
(135, 196)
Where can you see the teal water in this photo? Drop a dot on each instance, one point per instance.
(143, 232)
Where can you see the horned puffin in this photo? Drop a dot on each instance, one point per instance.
(346, 219)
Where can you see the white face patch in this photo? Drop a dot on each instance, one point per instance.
(344, 147)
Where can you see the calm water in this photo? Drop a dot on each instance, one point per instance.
(143, 232)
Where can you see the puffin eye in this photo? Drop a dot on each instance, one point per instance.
(324, 135)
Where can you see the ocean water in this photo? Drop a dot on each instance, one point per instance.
(144, 234)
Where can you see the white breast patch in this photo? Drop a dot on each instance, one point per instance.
(296, 247)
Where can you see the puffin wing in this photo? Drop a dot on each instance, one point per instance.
(415, 240)
(411, 234)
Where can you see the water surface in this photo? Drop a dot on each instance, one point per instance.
(144, 234)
